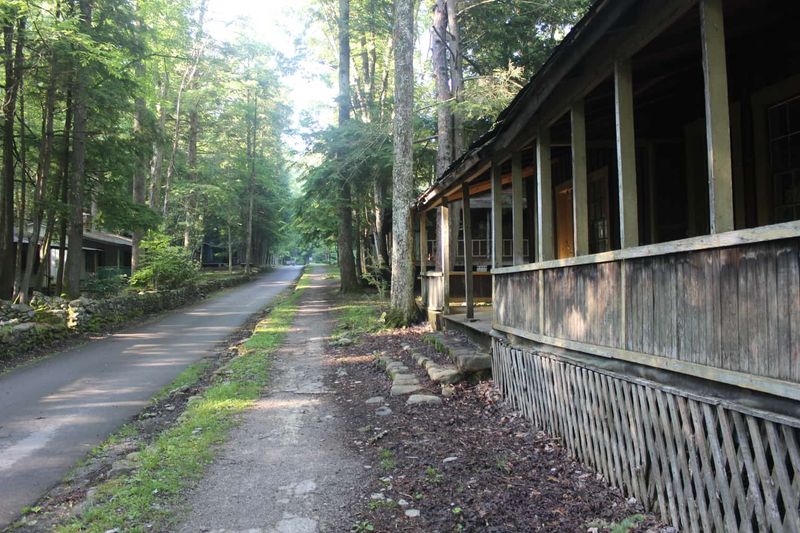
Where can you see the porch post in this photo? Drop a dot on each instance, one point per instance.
(626, 155)
(497, 215)
(718, 134)
(517, 193)
(423, 243)
(544, 198)
(468, 291)
(580, 197)
(444, 214)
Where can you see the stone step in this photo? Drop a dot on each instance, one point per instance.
(466, 357)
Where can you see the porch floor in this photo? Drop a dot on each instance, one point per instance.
(476, 329)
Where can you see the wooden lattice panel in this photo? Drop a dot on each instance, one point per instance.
(702, 465)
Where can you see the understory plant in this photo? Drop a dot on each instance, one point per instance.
(164, 266)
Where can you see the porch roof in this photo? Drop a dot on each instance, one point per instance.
(513, 120)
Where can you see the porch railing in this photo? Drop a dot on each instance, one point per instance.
(724, 307)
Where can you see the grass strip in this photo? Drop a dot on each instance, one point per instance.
(146, 500)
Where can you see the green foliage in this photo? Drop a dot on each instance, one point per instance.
(164, 266)
(628, 524)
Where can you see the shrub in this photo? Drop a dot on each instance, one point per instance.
(164, 266)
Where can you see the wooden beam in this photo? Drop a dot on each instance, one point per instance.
(517, 195)
(743, 237)
(497, 216)
(718, 129)
(423, 242)
(626, 155)
(545, 249)
(580, 196)
(468, 289)
(444, 242)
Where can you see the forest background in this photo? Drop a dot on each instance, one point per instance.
(258, 128)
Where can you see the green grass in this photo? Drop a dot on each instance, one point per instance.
(146, 500)
(190, 376)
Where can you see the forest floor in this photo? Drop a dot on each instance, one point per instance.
(469, 463)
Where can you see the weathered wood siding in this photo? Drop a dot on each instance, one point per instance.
(510, 292)
(432, 291)
(703, 465)
(734, 308)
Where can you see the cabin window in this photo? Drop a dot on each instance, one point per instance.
(784, 147)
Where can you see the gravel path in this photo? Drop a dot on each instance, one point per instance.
(54, 411)
(285, 468)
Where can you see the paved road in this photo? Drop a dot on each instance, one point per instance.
(53, 412)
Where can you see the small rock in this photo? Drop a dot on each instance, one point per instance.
(121, 468)
(133, 456)
(402, 503)
(341, 373)
(377, 496)
(383, 411)
(375, 399)
(632, 501)
(450, 459)
(412, 513)
(423, 399)
(399, 390)
(448, 391)
(591, 530)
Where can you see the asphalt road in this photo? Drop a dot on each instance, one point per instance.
(56, 410)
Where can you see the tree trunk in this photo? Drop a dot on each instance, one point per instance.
(230, 251)
(42, 179)
(251, 143)
(381, 251)
(77, 182)
(157, 163)
(441, 72)
(65, 179)
(402, 297)
(456, 76)
(13, 75)
(23, 184)
(140, 166)
(347, 267)
(191, 177)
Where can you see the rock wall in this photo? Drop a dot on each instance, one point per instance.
(49, 319)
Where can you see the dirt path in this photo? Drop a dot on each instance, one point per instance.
(285, 469)
(54, 411)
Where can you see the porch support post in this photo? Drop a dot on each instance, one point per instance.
(497, 215)
(423, 243)
(580, 197)
(444, 214)
(468, 290)
(544, 198)
(517, 195)
(718, 134)
(626, 155)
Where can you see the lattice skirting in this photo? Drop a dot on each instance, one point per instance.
(703, 465)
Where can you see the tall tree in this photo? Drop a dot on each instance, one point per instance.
(347, 267)
(13, 24)
(456, 75)
(402, 294)
(441, 73)
(77, 184)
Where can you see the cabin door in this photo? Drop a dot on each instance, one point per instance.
(565, 246)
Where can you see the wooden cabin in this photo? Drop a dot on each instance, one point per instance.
(632, 223)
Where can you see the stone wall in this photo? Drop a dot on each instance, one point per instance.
(49, 319)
